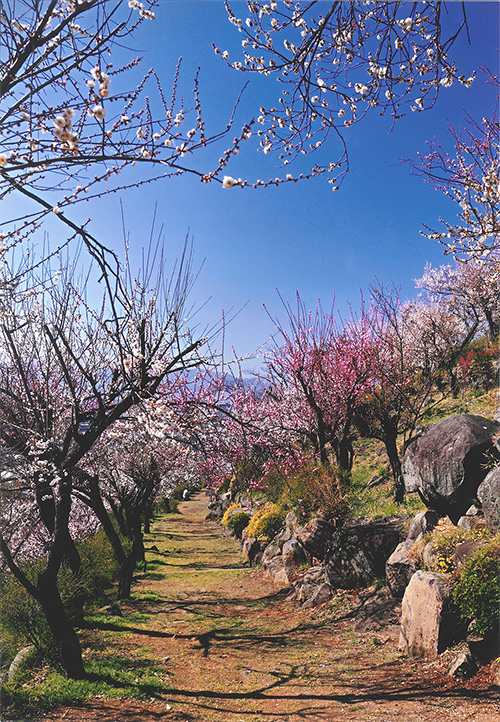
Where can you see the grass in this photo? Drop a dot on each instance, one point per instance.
(370, 459)
(108, 675)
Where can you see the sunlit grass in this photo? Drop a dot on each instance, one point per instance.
(108, 675)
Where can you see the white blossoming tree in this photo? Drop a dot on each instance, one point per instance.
(75, 121)
(340, 62)
(469, 177)
(470, 290)
(69, 372)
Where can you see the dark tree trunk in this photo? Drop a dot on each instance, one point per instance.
(148, 515)
(395, 462)
(126, 577)
(127, 567)
(60, 626)
(493, 325)
(344, 453)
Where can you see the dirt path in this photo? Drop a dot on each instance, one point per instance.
(234, 649)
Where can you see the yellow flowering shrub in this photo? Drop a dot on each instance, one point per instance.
(266, 522)
(225, 517)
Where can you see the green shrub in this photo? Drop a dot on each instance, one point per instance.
(171, 505)
(238, 522)
(22, 620)
(442, 541)
(477, 591)
(99, 570)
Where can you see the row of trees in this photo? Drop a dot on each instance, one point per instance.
(376, 374)
(78, 422)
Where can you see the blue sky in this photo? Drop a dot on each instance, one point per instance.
(298, 237)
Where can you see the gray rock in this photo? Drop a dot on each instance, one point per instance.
(305, 586)
(468, 522)
(465, 551)
(488, 494)
(321, 594)
(495, 673)
(473, 510)
(19, 660)
(316, 536)
(293, 524)
(277, 570)
(428, 626)
(226, 500)
(235, 511)
(445, 464)
(293, 553)
(270, 552)
(251, 549)
(462, 665)
(291, 529)
(358, 553)
(422, 523)
(399, 568)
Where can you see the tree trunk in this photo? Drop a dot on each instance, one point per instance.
(60, 626)
(126, 577)
(395, 462)
(127, 567)
(148, 515)
(344, 453)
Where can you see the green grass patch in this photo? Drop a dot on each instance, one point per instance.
(114, 676)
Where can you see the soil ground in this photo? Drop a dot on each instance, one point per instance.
(233, 648)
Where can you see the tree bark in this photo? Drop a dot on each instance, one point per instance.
(391, 447)
(148, 515)
(60, 626)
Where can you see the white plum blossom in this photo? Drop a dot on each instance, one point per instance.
(98, 112)
(361, 89)
(229, 182)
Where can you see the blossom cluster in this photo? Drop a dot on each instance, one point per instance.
(335, 68)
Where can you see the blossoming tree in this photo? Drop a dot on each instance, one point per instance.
(69, 373)
(470, 289)
(339, 62)
(470, 178)
(76, 123)
(414, 343)
(318, 374)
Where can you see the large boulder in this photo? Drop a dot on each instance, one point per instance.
(428, 626)
(321, 594)
(293, 553)
(423, 522)
(276, 569)
(307, 586)
(251, 549)
(271, 551)
(488, 494)
(446, 464)
(316, 537)
(358, 552)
